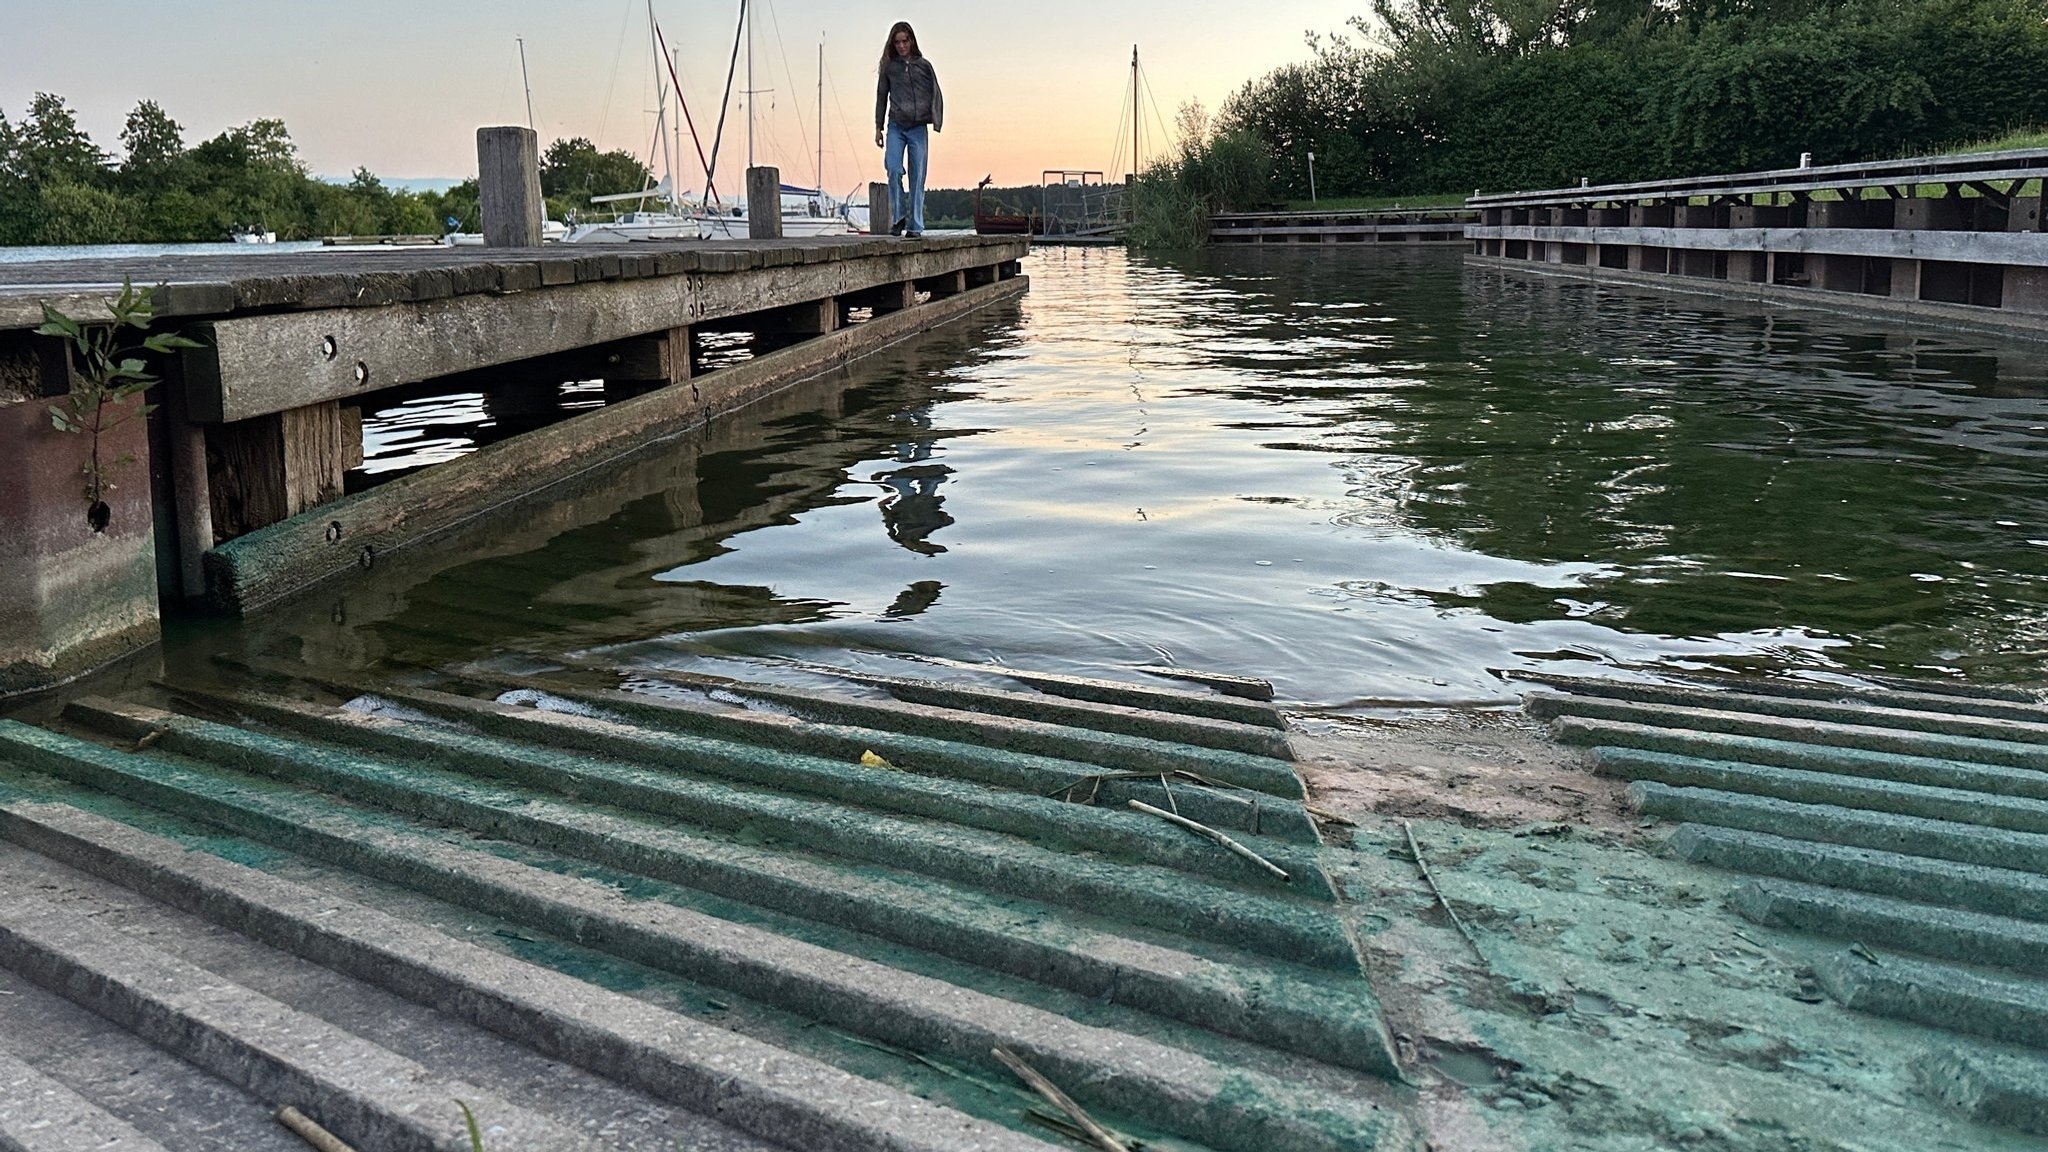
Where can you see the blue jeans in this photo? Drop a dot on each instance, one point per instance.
(916, 144)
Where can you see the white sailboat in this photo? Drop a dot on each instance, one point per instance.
(661, 214)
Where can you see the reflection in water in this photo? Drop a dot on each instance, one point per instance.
(1364, 475)
(912, 510)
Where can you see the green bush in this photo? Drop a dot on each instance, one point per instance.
(1210, 172)
(1442, 95)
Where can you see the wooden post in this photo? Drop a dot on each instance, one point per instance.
(192, 501)
(879, 218)
(764, 203)
(949, 284)
(508, 186)
(270, 468)
(811, 318)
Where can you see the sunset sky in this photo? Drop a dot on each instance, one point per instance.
(400, 88)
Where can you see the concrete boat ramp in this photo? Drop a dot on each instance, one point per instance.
(709, 913)
(608, 905)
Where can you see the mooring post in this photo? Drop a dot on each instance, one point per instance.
(879, 219)
(508, 186)
(764, 203)
(191, 496)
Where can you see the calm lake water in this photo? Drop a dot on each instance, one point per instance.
(1371, 477)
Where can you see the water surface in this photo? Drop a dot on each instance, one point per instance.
(1368, 476)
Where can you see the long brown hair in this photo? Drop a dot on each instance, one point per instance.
(889, 45)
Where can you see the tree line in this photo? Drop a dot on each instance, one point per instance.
(58, 186)
(1431, 96)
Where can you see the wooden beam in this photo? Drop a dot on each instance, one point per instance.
(273, 467)
(252, 365)
(2029, 249)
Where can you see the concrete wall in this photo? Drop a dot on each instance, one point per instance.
(71, 598)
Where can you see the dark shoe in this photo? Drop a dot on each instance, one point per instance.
(913, 235)
(896, 229)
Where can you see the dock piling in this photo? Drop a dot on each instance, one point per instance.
(764, 203)
(508, 186)
(879, 219)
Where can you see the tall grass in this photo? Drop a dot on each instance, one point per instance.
(1209, 172)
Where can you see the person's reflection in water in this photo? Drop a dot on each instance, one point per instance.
(914, 599)
(912, 511)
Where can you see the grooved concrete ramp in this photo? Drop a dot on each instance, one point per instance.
(1906, 823)
(710, 914)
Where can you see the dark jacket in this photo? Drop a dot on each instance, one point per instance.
(907, 92)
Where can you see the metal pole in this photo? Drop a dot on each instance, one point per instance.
(1311, 177)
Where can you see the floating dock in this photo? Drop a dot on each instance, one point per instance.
(256, 430)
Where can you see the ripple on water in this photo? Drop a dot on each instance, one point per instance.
(1361, 475)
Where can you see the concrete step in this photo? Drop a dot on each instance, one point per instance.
(1832, 824)
(1213, 991)
(774, 1094)
(455, 1048)
(2006, 1090)
(175, 1103)
(1119, 751)
(1227, 992)
(2019, 747)
(1802, 698)
(1041, 818)
(1162, 1086)
(1230, 806)
(1997, 891)
(1998, 1006)
(38, 1114)
(1921, 929)
(1298, 930)
(2021, 782)
(1804, 787)
(1286, 1006)
(362, 1093)
(1215, 705)
(1267, 737)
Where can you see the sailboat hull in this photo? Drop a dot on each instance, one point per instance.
(793, 227)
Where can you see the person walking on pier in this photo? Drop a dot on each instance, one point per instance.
(907, 100)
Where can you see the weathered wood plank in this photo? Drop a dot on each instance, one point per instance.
(2029, 249)
(258, 364)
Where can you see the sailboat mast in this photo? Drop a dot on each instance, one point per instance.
(675, 69)
(668, 160)
(1136, 167)
(528, 83)
(747, 14)
(821, 116)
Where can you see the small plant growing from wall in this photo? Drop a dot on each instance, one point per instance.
(109, 371)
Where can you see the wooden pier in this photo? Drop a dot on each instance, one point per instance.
(1958, 238)
(237, 491)
(1378, 226)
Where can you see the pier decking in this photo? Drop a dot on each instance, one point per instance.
(261, 425)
